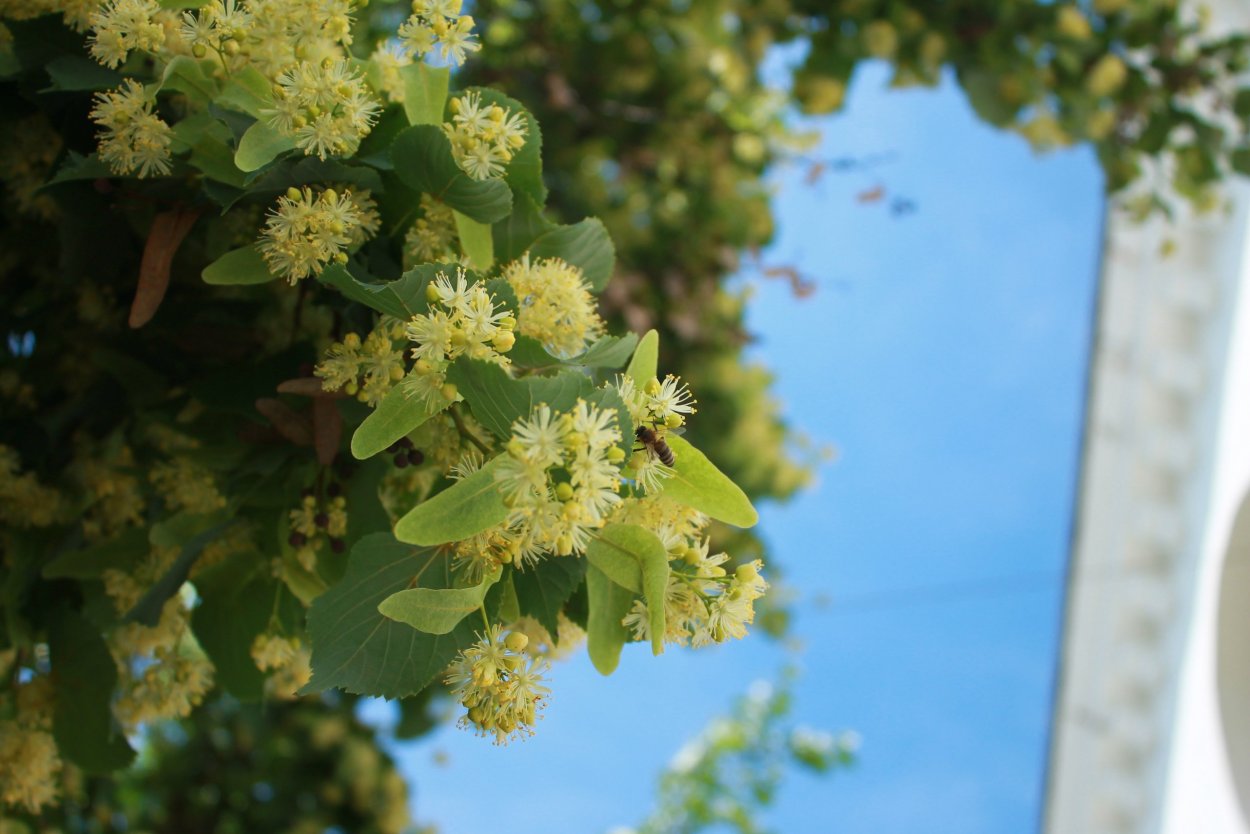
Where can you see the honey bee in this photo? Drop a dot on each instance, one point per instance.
(655, 444)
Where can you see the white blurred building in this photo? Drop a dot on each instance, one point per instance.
(1151, 727)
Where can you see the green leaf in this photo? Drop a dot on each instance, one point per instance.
(147, 611)
(585, 244)
(1240, 159)
(436, 610)
(226, 621)
(499, 400)
(542, 589)
(608, 352)
(644, 366)
(635, 558)
(465, 508)
(423, 160)
(402, 298)
(215, 161)
(261, 145)
(119, 553)
(509, 606)
(75, 72)
(475, 240)
(524, 172)
(247, 91)
(517, 232)
(609, 603)
(425, 93)
(397, 415)
(84, 675)
(357, 649)
(79, 167)
(698, 484)
(187, 75)
(238, 266)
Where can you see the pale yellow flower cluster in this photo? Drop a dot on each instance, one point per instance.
(701, 604)
(387, 61)
(484, 137)
(560, 479)
(113, 492)
(554, 304)
(24, 502)
(29, 762)
(120, 27)
(307, 230)
(501, 688)
(314, 524)
(186, 485)
(28, 149)
(462, 320)
(325, 105)
(162, 673)
(432, 238)
(135, 140)
(436, 27)
(270, 36)
(273, 651)
(658, 406)
(365, 369)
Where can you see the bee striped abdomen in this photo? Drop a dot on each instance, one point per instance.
(655, 444)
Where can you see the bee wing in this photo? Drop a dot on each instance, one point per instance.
(679, 431)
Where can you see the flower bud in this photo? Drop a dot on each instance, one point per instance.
(504, 341)
(450, 391)
(516, 641)
(746, 573)
(564, 491)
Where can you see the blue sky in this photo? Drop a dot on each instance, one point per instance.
(943, 355)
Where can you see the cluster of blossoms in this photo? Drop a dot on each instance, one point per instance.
(29, 761)
(432, 238)
(387, 60)
(113, 495)
(484, 137)
(287, 659)
(268, 35)
(436, 26)
(365, 369)
(120, 27)
(316, 522)
(162, 673)
(24, 502)
(463, 320)
(221, 27)
(135, 140)
(326, 106)
(660, 407)
(501, 688)
(186, 485)
(701, 604)
(554, 304)
(307, 230)
(560, 479)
